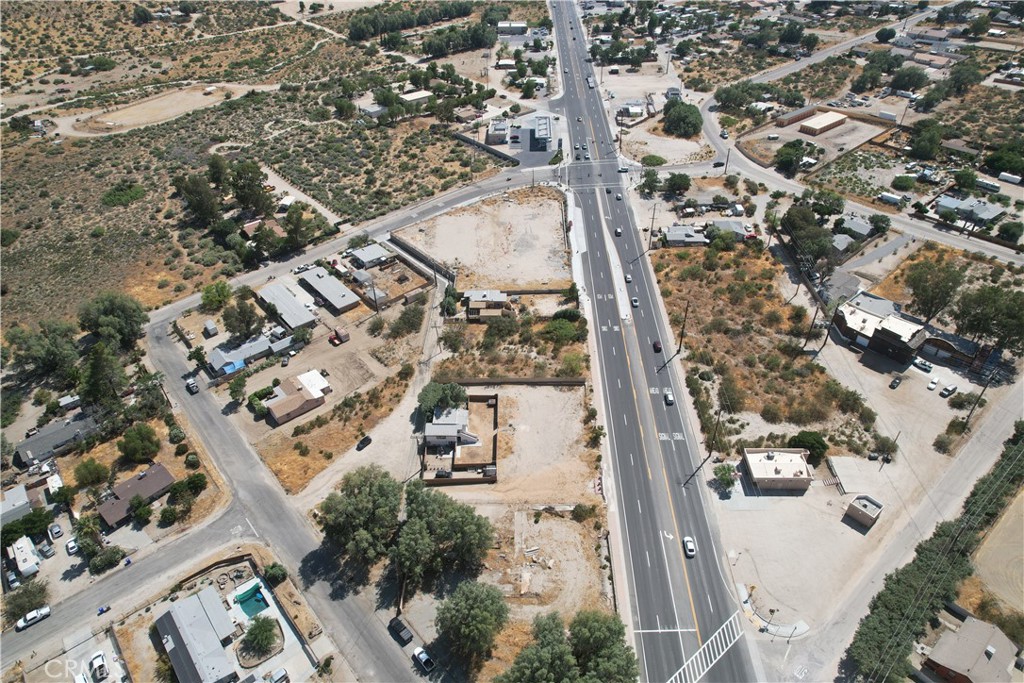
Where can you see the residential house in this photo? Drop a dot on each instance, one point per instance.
(69, 402)
(148, 485)
(448, 429)
(337, 296)
(842, 243)
(977, 652)
(484, 303)
(416, 97)
(224, 361)
(878, 324)
(929, 36)
(195, 632)
(778, 468)
(973, 210)
(684, 236)
(25, 557)
(15, 504)
(737, 229)
(497, 132)
(250, 229)
(297, 395)
(53, 440)
(857, 227)
(512, 28)
(960, 147)
(371, 255)
(287, 307)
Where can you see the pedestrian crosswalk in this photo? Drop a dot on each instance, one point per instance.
(710, 652)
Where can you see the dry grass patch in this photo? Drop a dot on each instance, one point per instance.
(985, 116)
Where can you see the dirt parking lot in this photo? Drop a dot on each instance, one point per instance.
(836, 141)
(81, 648)
(510, 241)
(999, 562)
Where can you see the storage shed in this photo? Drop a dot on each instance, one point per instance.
(823, 122)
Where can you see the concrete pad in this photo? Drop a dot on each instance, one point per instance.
(859, 475)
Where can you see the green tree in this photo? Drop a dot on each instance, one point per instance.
(32, 595)
(981, 25)
(261, 636)
(884, 445)
(303, 335)
(827, 203)
(198, 354)
(49, 351)
(115, 318)
(1011, 231)
(216, 295)
(880, 222)
(218, 171)
(247, 180)
(472, 618)
(141, 15)
(105, 559)
(933, 286)
(236, 388)
(242, 319)
(140, 511)
(963, 76)
(792, 33)
(677, 184)
(598, 642)
(681, 119)
(275, 573)
(200, 200)
(298, 229)
(168, 515)
(884, 35)
(966, 179)
(810, 41)
(810, 238)
(91, 472)
(140, 443)
(813, 442)
(993, 314)
(444, 396)
(909, 78)
(650, 183)
(103, 378)
(548, 659)
(724, 476)
(362, 515)
(789, 156)
(927, 140)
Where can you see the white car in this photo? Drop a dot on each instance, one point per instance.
(923, 364)
(689, 547)
(98, 666)
(72, 546)
(32, 617)
(423, 659)
(629, 278)
(934, 383)
(635, 302)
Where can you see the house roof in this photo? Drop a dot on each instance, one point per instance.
(964, 651)
(858, 225)
(735, 227)
(192, 631)
(685, 234)
(149, 484)
(777, 463)
(451, 416)
(841, 242)
(14, 504)
(485, 295)
(294, 392)
(362, 277)
(330, 288)
(371, 253)
(53, 437)
(292, 312)
(229, 360)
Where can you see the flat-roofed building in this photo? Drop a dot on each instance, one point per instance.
(289, 309)
(484, 303)
(823, 122)
(864, 510)
(371, 255)
(876, 323)
(512, 28)
(977, 652)
(778, 468)
(416, 97)
(329, 288)
(195, 632)
(15, 504)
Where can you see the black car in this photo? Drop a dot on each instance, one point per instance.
(718, 164)
(400, 631)
(657, 346)
(896, 381)
(363, 443)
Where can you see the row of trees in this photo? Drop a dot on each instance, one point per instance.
(438, 534)
(376, 22)
(737, 97)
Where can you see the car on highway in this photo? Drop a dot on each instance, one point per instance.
(400, 631)
(72, 546)
(948, 391)
(585, 147)
(635, 302)
(629, 278)
(55, 531)
(724, 135)
(689, 547)
(586, 157)
(565, 70)
(579, 118)
(934, 383)
(576, 146)
(896, 381)
(423, 659)
(718, 164)
(670, 398)
(192, 386)
(33, 617)
(623, 169)
(363, 443)
(618, 232)
(922, 364)
(618, 197)
(657, 346)
(577, 157)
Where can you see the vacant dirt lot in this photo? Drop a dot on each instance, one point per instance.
(999, 561)
(504, 242)
(649, 138)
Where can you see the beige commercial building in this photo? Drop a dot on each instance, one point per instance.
(823, 122)
(778, 468)
(865, 510)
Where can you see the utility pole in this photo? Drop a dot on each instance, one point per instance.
(807, 337)
(682, 330)
(728, 153)
(711, 444)
(967, 420)
(650, 236)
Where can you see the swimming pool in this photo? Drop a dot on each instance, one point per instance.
(252, 601)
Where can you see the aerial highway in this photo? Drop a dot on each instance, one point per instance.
(684, 613)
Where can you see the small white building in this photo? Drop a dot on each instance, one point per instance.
(25, 556)
(448, 429)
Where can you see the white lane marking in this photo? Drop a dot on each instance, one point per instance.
(649, 565)
(638, 506)
(709, 603)
(620, 383)
(631, 463)
(252, 527)
(613, 351)
(624, 420)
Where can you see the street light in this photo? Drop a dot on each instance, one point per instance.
(771, 615)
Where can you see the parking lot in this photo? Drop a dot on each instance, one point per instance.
(82, 648)
(834, 142)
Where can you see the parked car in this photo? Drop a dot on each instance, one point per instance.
(12, 581)
(192, 386)
(443, 474)
(948, 391)
(724, 135)
(400, 631)
(896, 381)
(98, 666)
(689, 547)
(423, 659)
(279, 676)
(55, 531)
(657, 346)
(718, 164)
(285, 361)
(72, 546)
(922, 364)
(32, 617)
(46, 550)
(363, 443)
(934, 383)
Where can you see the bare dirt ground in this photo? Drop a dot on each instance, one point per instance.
(999, 562)
(163, 107)
(648, 138)
(504, 242)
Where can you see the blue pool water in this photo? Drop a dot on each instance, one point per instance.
(252, 601)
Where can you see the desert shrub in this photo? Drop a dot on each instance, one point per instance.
(943, 443)
(192, 461)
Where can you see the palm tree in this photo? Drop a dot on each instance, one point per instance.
(88, 526)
